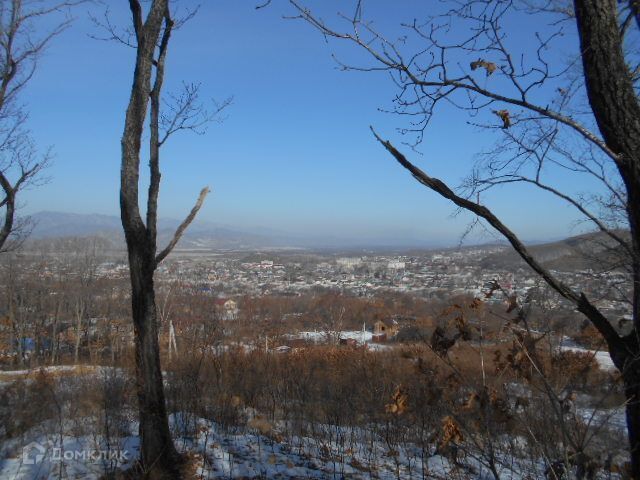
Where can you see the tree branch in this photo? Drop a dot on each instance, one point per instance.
(601, 226)
(581, 302)
(136, 12)
(136, 114)
(634, 8)
(183, 226)
(154, 140)
(410, 74)
(9, 205)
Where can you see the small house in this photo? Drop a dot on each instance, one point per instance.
(226, 308)
(388, 330)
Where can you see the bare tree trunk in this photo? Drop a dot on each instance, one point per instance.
(21, 342)
(79, 310)
(15, 336)
(20, 51)
(159, 456)
(158, 453)
(54, 336)
(617, 111)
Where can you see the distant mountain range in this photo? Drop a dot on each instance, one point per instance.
(594, 250)
(200, 235)
(57, 229)
(203, 235)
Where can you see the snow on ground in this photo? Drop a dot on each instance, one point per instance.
(51, 456)
(72, 449)
(334, 454)
(48, 370)
(614, 418)
(318, 337)
(378, 346)
(321, 451)
(359, 336)
(602, 357)
(9, 376)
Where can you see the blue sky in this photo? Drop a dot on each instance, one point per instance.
(295, 152)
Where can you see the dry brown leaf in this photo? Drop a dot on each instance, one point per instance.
(450, 432)
(476, 304)
(399, 402)
(490, 67)
(504, 116)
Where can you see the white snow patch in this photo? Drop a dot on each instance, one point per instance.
(603, 358)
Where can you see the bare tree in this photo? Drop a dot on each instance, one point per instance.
(20, 50)
(580, 116)
(85, 266)
(151, 35)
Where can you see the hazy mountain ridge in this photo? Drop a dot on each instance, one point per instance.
(588, 250)
(56, 230)
(200, 235)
